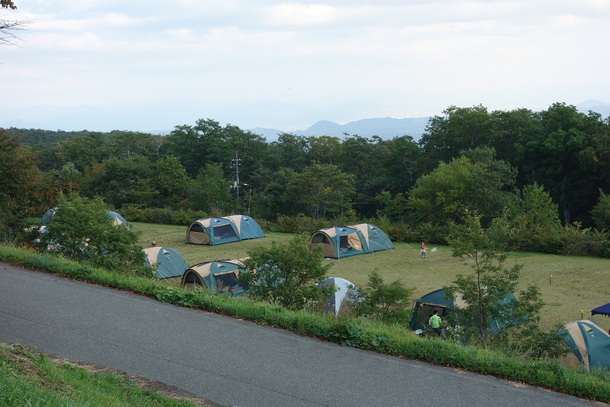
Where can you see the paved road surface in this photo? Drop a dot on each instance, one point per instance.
(230, 362)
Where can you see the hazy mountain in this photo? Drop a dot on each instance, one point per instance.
(386, 128)
(602, 108)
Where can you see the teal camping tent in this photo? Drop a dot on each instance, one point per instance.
(228, 229)
(215, 276)
(247, 228)
(165, 262)
(376, 238)
(343, 241)
(435, 300)
(590, 344)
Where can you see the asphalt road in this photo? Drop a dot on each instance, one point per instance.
(230, 362)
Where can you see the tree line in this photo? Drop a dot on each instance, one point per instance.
(547, 171)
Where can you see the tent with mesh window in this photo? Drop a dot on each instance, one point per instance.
(228, 229)
(218, 275)
(343, 241)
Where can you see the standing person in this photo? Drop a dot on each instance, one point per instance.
(423, 250)
(435, 323)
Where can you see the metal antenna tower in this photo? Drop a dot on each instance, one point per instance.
(235, 163)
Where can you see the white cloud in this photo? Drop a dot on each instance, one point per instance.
(196, 58)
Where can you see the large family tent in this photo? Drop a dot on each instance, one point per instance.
(247, 228)
(165, 262)
(344, 291)
(436, 300)
(590, 344)
(376, 238)
(603, 310)
(218, 275)
(343, 241)
(228, 229)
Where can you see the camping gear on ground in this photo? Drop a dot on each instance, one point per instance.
(165, 262)
(590, 344)
(603, 310)
(227, 229)
(344, 241)
(218, 275)
(345, 291)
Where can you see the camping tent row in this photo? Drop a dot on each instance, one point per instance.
(214, 231)
(213, 275)
(343, 241)
(218, 275)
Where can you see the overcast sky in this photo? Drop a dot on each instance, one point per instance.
(148, 65)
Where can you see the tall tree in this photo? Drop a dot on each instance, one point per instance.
(211, 192)
(457, 130)
(321, 191)
(562, 159)
(473, 182)
(488, 292)
(171, 181)
(22, 190)
(122, 181)
(536, 221)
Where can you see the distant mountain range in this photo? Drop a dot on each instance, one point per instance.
(602, 108)
(388, 128)
(385, 128)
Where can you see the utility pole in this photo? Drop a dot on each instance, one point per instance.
(235, 163)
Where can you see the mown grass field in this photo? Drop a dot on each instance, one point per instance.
(577, 283)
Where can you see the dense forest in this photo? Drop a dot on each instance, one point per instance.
(548, 172)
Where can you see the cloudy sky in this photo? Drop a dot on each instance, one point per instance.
(150, 65)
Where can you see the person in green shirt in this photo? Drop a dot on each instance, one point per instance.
(435, 323)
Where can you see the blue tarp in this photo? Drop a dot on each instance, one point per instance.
(603, 310)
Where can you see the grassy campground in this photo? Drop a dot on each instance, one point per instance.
(574, 287)
(568, 284)
(31, 379)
